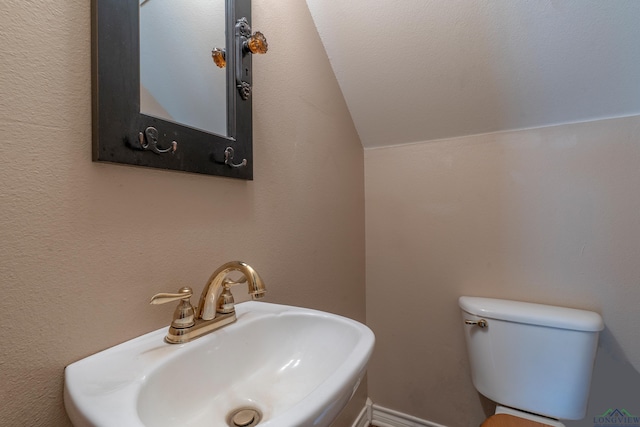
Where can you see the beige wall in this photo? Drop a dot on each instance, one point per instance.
(84, 245)
(549, 215)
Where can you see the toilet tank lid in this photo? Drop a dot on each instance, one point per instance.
(534, 314)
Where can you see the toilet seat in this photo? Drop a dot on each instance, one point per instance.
(505, 420)
(518, 418)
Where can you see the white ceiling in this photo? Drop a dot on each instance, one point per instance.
(418, 70)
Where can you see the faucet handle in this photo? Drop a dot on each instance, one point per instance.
(226, 303)
(163, 298)
(184, 315)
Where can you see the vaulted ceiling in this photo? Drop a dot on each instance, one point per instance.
(419, 70)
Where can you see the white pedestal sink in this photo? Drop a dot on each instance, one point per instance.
(295, 367)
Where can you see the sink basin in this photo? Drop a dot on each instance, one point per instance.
(293, 366)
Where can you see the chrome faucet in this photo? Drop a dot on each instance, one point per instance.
(216, 307)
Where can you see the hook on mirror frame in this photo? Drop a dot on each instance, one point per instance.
(228, 160)
(149, 141)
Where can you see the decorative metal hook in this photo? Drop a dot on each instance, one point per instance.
(149, 141)
(228, 157)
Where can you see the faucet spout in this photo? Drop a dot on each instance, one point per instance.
(207, 305)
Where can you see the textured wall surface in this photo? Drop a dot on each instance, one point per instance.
(550, 215)
(84, 245)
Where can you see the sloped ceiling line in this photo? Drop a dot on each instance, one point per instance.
(419, 70)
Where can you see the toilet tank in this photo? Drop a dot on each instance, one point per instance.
(533, 357)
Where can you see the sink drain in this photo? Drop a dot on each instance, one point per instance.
(244, 417)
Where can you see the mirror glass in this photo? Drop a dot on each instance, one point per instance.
(179, 81)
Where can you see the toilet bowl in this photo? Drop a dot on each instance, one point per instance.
(534, 361)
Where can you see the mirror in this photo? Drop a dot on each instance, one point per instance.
(188, 89)
(145, 112)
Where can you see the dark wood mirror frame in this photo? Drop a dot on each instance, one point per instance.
(117, 121)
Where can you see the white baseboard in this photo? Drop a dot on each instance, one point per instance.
(379, 416)
(364, 418)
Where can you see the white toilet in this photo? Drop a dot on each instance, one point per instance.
(534, 361)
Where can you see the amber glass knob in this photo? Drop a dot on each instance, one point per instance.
(257, 43)
(219, 57)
